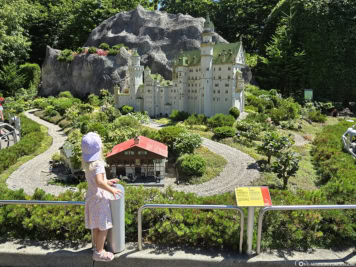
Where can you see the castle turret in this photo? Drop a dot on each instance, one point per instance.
(207, 51)
(136, 75)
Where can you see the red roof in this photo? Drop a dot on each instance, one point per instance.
(144, 143)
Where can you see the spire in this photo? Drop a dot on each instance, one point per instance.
(208, 24)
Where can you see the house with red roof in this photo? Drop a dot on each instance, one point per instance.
(138, 158)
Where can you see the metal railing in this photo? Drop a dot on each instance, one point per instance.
(177, 206)
(41, 202)
(305, 207)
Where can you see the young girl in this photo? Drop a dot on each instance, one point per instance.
(99, 194)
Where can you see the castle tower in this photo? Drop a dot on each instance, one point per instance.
(136, 75)
(207, 50)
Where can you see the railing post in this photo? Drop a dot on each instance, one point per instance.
(250, 223)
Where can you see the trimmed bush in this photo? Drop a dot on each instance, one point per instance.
(168, 135)
(186, 143)
(126, 109)
(223, 132)
(316, 116)
(66, 55)
(66, 94)
(235, 112)
(191, 165)
(177, 115)
(92, 50)
(104, 46)
(80, 50)
(126, 121)
(32, 75)
(220, 120)
(113, 52)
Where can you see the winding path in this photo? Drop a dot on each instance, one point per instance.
(35, 173)
(240, 170)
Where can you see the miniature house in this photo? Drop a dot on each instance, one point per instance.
(204, 81)
(139, 157)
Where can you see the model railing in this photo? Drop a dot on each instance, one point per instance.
(311, 207)
(177, 206)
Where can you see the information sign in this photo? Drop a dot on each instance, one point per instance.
(253, 196)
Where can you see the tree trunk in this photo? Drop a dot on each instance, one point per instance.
(285, 182)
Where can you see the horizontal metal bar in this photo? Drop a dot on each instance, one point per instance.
(41, 202)
(182, 206)
(302, 207)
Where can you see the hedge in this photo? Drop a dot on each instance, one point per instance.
(30, 141)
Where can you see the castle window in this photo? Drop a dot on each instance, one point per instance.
(226, 85)
(226, 92)
(218, 91)
(216, 84)
(219, 77)
(196, 70)
(207, 69)
(203, 95)
(228, 77)
(214, 68)
(214, 91)
(149, 91)
(229, 68)
(225, 99)
(195, 98)
(219, 68)
(161, 91)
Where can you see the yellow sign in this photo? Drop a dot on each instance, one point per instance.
(252, 196)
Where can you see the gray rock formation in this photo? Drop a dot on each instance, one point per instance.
(158, 37)
(86, 74)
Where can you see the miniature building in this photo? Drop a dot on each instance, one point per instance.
(138, 158)
(205, 81)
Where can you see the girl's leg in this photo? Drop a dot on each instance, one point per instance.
(95, 236)
(100, 240)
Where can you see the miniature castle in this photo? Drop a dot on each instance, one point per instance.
(205, 81)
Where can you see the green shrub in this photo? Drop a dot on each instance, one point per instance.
(190, 165)
(223, 132)
(113, 52)
(168, 135)
(40, 103)
(92, 50)
(126, 110)
(62, 104)
(104, 46)
(126, 121)
(186, 143)
(316, 116)
(50, 111)
(32, 74)
(178, 115)
(235, 112)
(80, 50)
(66, 55)
(94, 100)
(248, 129)
(66, 94)
(118, 46)
(195, 119)
(220, 120)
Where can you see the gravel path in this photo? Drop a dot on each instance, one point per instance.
(299, 140)
(35, 173)
(240, 170)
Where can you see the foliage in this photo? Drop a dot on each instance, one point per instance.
(104, 46)
(80, 50)
(178, 115)
(195, 119)
(62, 104)
(224, 132)
(113, 52)
(286, 165)
(219, 120)
(190, 165)
(168, 135)
(66, 94)
(93, 100)
(248, 129)
(106, 97)
(29, 143)
(32, 75)
(186, 143)
(11, 80)
(92, 50)
(66, 55)
(273, 144)
(316, 116)
(141, 117)
(126, 110)
(235, 112)
(126, 121)
(75, 139)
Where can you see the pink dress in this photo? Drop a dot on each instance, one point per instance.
(97, 202)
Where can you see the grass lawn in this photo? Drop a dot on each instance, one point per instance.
(46, 143)
(165, 121)
(214, 165)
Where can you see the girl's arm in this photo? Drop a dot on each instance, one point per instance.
(100, 181)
